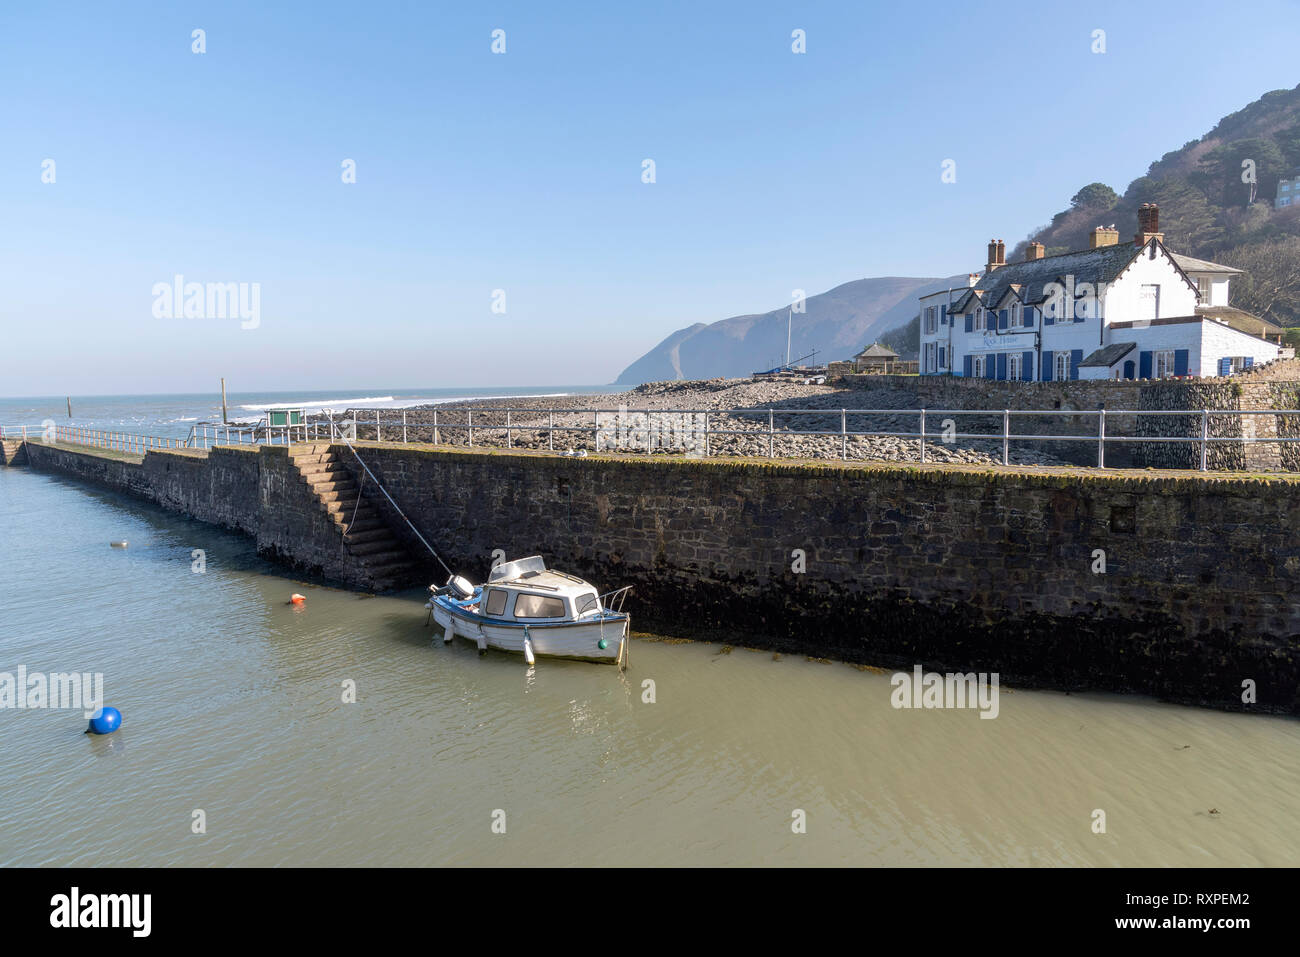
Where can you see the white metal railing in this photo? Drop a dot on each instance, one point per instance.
(200, 436)
(463, 421)
(698, 437)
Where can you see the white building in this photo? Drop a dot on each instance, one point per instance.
(1131, 311)
(1288, 193)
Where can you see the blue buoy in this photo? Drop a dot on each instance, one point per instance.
(109, 720)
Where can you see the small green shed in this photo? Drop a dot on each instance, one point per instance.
(279, 418)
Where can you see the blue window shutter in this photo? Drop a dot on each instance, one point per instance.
(1027, 366)
(1048, 367)
(943, 315)
(1076, 356)
(1144, 365)
(966, 364)
(1029, 317)
(1002, 365)
(1225, 365)
(1180, 362)
(1248, 362)
(970, 322)
(1002, 319)
(1049, 319)
(941, 357)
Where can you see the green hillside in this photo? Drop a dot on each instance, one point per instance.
(1216, 202)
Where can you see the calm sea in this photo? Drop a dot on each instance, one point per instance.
(235, 715)
(172, 416)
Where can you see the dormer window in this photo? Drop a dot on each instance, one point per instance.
(1017, 316)
(1203, 290)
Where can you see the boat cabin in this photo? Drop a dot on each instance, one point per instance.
(527, 591)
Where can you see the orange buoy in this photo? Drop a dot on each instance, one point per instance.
(296, 599)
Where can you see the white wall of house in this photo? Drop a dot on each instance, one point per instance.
(1205, 340)
(1218, 340)
(1215, 285)
(940, 337)
(1079, 338)
(1149, 288)
(1126, 299)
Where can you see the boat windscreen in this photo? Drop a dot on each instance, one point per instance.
(509, 571)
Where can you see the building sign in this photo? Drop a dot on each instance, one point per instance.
(1021, 342)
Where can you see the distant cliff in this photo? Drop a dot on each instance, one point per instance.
(838, 323)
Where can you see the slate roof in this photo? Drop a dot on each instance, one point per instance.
(1107, 356)
(1241, 320)
(1188, 264)
(1089, 265)
(877, 351)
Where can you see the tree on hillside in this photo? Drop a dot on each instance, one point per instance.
(1095, 196)
(1270, 286)
(1238, 173)
(1288, 141)
(1190, 224)
(905, 340)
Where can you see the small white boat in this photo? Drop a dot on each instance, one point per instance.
(529, 609)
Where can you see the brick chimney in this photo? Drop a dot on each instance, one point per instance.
(1148, 224)
(1103, 236)
(997, 254)
(1035, 251)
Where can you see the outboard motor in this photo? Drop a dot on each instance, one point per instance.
(460, 587)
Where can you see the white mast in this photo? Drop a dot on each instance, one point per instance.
(788, 320)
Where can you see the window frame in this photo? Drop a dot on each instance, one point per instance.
(1155, 299)
(491, 596)
(520, 596)
(1062, 360)
(1014, 361)
(1158, 359)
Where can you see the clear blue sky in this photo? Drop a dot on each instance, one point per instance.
(522, 171)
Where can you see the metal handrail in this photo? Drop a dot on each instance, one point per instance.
(1004, 435)
(397, 508)
(616, 599)
(206, 435)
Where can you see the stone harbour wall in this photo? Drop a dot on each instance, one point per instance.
(1258, 391)
(1184, 586)
(959, 569)
(254, 490)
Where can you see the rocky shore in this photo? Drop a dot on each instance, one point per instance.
(745, 417)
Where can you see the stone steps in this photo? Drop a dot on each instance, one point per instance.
(12, 452)
(385, 562)
(319, 469)
(360, 537)
(333, 486)
(345, 496)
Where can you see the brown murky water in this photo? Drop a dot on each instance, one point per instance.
(233, 705)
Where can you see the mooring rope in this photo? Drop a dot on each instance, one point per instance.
(379, 485)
